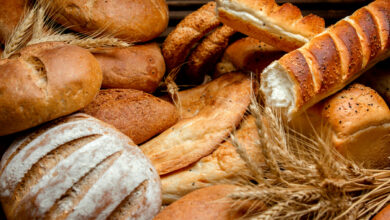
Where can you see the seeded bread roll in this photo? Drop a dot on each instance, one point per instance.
(11, 12)
(130, 20)
(45, 81)
(137, 114)
(77, 168)
(330, 61)
(138, 67)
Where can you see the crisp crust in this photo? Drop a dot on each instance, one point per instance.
(209, 203)
(383, 214)
(11, 12)
(45, 81)
(380, 8)
(222, 165)
(148, 19)
(138, 67)
(190, 30)
(138, 115)
(226, 100)
(248, 54)
(286, 17)
(202, 60)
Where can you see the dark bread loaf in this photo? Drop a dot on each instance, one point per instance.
(329, 61)
(43, 82)
(77, 168)
(138, 67)
(137, 114)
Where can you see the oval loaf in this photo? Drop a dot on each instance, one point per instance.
(77, 168)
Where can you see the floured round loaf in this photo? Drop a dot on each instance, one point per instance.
(77, 168)
(11, 12)
(45, 81)
(130, 20)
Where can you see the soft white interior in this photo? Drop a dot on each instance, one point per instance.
(278, 88)
(257, 18)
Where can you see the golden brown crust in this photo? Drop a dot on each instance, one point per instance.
(286, 17)
(191, 29)
(138, 115)
(225, 102)
(139, 67)
(45, 81)
(384, 214)
(11, 12)
(209, 203)
(202, 60)
(147, 20)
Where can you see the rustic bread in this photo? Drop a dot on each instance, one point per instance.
(225, 102)
(223, 165)
(138, 67)
(77, 168)
(384, 214)
(11, 12)
(137, 114)
(282, 26)
(45, 81)
(130, 20)
(210, 203)
(247, 54)
(190, 30)
(329, 61)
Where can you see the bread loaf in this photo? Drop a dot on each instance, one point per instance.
(223, 165)
(130, 20)
(384, 214)
(283, 27)
(43, 82)
(220, 106)
(138, 67)
(138, 115)
(77, 168)
(11, 12)
(329, 61)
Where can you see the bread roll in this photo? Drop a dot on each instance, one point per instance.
(11, 12)
(210, 203)
(130, 20)
(77, 168)
(223, 165)
(329, 61)
(247, 54)
(283, 27)
(222, 106)
(138, 115)
(43, 82)
(138, 67)
(384, 214)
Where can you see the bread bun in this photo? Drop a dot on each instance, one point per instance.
(77, 168)
(138, 67)
(130, 20)
(43, 82)
(210, 203)
(137, 114)
(11, 12)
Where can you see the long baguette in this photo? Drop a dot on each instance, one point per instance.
(329, 61)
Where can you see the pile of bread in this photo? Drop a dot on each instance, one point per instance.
(71, 118)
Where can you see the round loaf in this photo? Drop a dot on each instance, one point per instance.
(137, 114)
(138, 67)
(77, 168)
(130, 20)
(45, 81)
(11, 12)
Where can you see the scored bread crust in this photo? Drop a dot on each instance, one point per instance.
(226, 100)
(282, 26)
(202, 60)
(330, 60)
(77, 167)
(222, 165)
(190, 30)
(45, 81)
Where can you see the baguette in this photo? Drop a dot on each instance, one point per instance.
(283, 27)
(329, 61)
